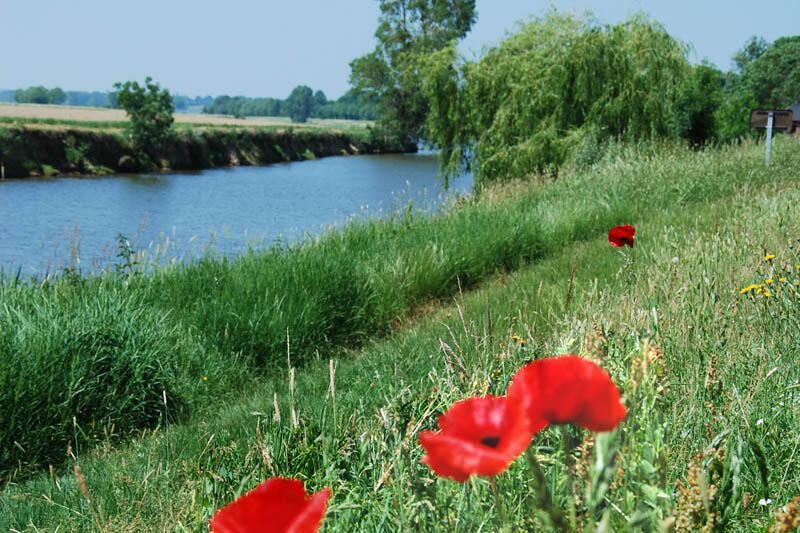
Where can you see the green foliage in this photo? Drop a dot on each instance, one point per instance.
(319, 100)
(699, 97)
(752, 49)
(732, 118)
(774, 76)
(408, 30)
(150, 112)
(75, 152)
(56, 96)
(509, 114)
(298, 105)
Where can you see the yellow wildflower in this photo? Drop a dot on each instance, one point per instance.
(769, 257)
(782, 279)
(768, 281)
(767, 294)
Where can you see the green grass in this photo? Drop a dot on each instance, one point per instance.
(704, 223)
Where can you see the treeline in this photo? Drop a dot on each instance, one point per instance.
(56, 95)
(558, 89)
(302, 103)
(42, 95)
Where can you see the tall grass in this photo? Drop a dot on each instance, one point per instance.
(224, 319)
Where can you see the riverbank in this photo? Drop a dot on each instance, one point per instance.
(703, 366)
(30, 151)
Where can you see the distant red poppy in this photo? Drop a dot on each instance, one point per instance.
(478, 436)
(568, 389)
(619, 236)
(277, 505)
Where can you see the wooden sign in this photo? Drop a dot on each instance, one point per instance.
(781, 119)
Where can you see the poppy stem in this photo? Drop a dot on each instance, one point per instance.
(505, 526)
(569, 462)
(543, 499)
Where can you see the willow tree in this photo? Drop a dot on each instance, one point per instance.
(528, 102)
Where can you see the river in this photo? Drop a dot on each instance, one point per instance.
(49, 224)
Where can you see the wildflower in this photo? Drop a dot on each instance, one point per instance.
(760, 422)
(621, 235)
(782, 279)
(764, 502)
(205, 378)
(768, 281)
(769, 257)
(568, 389)
(766, 294)
(478, 436)
(276, 505)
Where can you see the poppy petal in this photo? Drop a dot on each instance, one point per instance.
(277, 505)
(568, 389)
(620, 236)
(310, 518)
(480, 435)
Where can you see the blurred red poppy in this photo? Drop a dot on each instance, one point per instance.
(568, 389)
(478, 436)
(277, 505)
(619, 236)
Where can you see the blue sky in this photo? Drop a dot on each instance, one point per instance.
(267, 47)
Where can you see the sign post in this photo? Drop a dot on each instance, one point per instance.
(772, 120)
(769, 134)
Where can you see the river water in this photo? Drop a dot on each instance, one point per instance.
(49, 224)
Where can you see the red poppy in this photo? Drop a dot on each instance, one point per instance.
(619, 236)
(568, 389)
(277, 505)
(478, 436)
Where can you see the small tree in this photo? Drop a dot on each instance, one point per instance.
(298, 105)
(150, 111)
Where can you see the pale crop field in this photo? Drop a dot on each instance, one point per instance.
(98, 114)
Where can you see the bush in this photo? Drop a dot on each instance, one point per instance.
(150, 112)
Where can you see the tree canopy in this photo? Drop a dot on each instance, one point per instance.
(150, 110)
(529, 101)
(298, 105)
(408, 30)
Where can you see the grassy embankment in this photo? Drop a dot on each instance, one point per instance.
(43, 146)
(705, 221)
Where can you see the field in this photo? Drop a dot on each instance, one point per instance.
(325, 361)
(39, 113)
